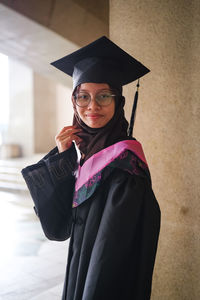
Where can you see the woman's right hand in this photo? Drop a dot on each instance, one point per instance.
(66, 136)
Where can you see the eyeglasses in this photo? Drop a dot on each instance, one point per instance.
(103, 98)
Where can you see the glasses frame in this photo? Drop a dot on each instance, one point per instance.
(94, 96)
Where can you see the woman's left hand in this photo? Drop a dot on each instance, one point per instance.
(66, 136)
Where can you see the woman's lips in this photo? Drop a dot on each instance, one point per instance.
(93, 116)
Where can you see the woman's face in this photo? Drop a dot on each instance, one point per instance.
(94, 115)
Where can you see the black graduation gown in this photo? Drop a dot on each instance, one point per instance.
(114, 233)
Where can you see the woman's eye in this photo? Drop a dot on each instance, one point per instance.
(83, 97)
(104, 96)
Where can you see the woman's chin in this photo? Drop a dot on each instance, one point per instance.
(94, 124)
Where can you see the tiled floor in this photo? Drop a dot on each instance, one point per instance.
(31, 267)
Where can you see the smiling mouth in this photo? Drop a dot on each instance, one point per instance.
(93, 116)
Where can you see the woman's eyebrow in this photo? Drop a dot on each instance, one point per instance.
(99, 90)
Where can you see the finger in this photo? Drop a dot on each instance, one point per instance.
(67, 133)
(66, 128)
(66, 143)
(76, 138)
(69, 139)
(63, 145)
(69, 128)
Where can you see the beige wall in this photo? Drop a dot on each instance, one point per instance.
(44, 113)
(52, 111)
(165, 36)
(64, 109)
(39, 108)
(21, 124)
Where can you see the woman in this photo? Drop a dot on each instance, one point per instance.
(103, 201)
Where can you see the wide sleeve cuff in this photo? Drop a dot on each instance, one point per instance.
(59, 165)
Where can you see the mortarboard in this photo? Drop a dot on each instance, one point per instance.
(102, 61)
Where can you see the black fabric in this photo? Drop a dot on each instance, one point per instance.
(96, 139)
(114, 233)
(102, 61)
(50, 179)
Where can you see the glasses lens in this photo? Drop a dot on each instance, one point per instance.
(82, 99)
(104, 98)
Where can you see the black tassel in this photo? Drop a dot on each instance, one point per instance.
(132, 120)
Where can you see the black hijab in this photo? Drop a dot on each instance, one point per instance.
(96, 139)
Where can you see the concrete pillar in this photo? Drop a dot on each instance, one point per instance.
(64, 109)
(165, 35)
(52, 111)
(38, 109)
(20, 127)
(44, 113)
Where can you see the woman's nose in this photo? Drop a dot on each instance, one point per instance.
(93, 103)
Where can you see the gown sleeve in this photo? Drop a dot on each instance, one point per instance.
(51, 185)
(124, 251)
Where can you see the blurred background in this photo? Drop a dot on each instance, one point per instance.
(35, 104)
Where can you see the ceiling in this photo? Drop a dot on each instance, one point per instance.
(46, 30)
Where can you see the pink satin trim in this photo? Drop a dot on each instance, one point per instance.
(101, 159)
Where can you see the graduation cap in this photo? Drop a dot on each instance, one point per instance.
(102, 61)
